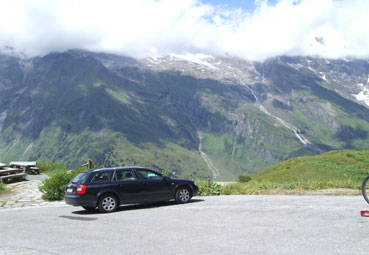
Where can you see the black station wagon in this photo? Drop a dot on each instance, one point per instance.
(108, 188)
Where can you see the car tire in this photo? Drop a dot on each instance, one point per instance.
(183, 195)
(108, 203)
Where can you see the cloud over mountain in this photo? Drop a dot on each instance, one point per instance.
(328, 28)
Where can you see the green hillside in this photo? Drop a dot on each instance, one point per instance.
(334, 166)
(332, 170)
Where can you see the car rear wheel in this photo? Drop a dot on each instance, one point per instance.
(108, 203)
(183, 195)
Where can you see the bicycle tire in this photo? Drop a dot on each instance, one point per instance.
(365, 189)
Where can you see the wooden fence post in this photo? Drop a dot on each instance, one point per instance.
(208, 186)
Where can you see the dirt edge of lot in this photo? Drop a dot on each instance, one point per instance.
(323, 192)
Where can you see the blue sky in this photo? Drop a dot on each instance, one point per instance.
(246, 5)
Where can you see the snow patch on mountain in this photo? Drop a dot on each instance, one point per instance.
(2, 119)
(363, 95)
(323, 76)
(199, 59)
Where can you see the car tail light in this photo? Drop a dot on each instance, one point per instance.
(365, 213)
(81, 189)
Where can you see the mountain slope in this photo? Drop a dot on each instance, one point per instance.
(121, 111)
(334, 166)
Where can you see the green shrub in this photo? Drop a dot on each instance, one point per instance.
(227, 190)
(244, 178)
(53, 188)
(208, 188)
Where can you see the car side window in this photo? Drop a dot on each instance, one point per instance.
(102, 176)
(124, 175)
(147, 174)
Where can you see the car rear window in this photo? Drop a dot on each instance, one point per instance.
(80, 178)
(124, 175)
(102, 176)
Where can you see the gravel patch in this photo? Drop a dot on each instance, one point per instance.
(25, 194)
(38, 177)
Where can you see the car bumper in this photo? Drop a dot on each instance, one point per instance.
(79, 200)
(195, 190)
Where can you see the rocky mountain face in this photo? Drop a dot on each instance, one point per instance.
(196, 115)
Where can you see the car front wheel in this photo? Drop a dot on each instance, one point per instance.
(108, 203)
(183, 195)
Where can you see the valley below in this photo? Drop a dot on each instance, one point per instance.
(196, 115)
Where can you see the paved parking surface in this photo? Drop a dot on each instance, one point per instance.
(209, 225)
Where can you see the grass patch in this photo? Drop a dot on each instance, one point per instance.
(259, 187)
(3, 188)
(333, 168)
(344, 169)
(50, 168)
(120, 96)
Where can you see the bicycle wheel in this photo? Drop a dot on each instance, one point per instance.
(365, 189)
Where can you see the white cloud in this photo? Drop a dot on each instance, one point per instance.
(328, 28)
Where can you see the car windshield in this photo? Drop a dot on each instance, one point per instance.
(81, 178)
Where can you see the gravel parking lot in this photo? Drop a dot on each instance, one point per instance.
(208, 225)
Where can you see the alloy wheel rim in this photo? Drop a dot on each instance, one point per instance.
(184, 195)
(108, 203)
